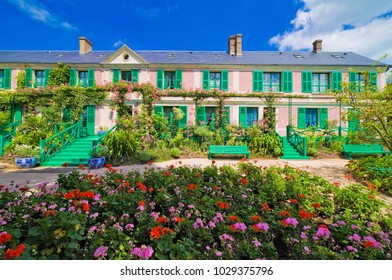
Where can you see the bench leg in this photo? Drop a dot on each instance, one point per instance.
(209, 156)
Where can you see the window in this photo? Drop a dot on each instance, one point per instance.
(83, 78)
(311, 117)
(169, 79)
(320, 82)
(271, 82)
(167, 111)
(2, 79)
(356, 82)
(248, 116)
(126, 76)
(39, 78)
(215, 80)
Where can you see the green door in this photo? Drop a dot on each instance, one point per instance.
(88, 118)
(17, 113)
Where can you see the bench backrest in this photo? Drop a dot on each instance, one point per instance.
(216, 149)
(363, 147)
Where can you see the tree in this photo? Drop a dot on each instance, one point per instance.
(371, 107)
(59, 75)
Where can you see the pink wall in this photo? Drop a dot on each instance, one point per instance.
(188, 78)
(153, 77)
(297, 82)
(246, 81)
(231, 78)
(98, 76)
(283, 119)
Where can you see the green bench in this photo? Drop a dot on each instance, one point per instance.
(363, 149)
(228, 150)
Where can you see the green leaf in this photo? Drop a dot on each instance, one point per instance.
(35, 231)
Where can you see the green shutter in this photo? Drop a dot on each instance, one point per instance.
(227, 114)
(225, 80)
(135, 75)
(307, 81)
(72, 77)
(184, 121)
(353, 121)
(301, 118)
(160, 77)
(7, 78)
(287, 81)
(243, 116)
(67, 115)
(323, 117)
(46, 75)
(336, 81)
(200, 115)
(352, 79)
(17, 114)
(91, 77)
(206, 79)
(116, 75)
(29, 77)
(158, 110)
(90, 119)
(178, 79)
(257, 81)
(373, 81)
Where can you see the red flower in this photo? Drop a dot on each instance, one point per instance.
(302, 196)
(265, 207)
(316, 205)
(167, 173)
(179, 220)
(155, 232)
(5, 237)
(11, 254)
(192, 187)
(1, 186)
(255, 228)
(141, 203)
(244, 181)
(304, 215)
(213, 162)
(109, 165)
(162, 220)
(233, 228)
(150, 162)
(171, 166)
(292, 200)
(283, 222)
(349, 176)
(336, 184)
(81, 166)
(256, 218)
(223, 205)
(368, 244)
(234, 218)
(65, 164)
(86, 206)
(285, 214)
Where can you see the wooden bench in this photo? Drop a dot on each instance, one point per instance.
(228, 150)
(363, 149)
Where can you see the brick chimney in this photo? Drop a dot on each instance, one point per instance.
(317, 46)
(231, 44)
(238, 45)
(85, 46)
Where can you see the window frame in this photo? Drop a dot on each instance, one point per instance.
(271, 86)
(83, 81)
(319, 85)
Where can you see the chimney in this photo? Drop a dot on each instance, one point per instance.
(85, 46)
(317, 46)
(238, 45)
(231, 50)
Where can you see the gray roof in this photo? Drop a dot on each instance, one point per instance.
(197, 57)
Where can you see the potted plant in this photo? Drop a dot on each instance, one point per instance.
(102, 130)
(97, 156)
(26, 156)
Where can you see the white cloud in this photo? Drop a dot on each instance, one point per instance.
(37, 11)
(146, 13)
(363, 27)
(118, 44)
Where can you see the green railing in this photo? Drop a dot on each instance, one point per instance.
(57, 142)
(280, 139)
(6, 134)
(101, 138)
(298, 141)
(58, 127)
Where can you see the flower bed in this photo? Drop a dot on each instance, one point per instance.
(193, 213)
(373, 171)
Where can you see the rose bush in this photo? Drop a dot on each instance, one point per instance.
(185, 213)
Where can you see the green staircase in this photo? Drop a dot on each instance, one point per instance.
(75, 153)
(289, 152)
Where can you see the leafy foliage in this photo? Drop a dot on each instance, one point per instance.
(59, 75)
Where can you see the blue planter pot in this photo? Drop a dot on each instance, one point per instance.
(101, 132)
(95, 163)
(28, 162)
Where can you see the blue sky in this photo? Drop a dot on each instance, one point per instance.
(350, 25)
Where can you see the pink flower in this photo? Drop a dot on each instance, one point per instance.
(322, 231)
(351, 248)
(354, 237)
(100, 252)
(292, 221)
(256, 243)
(131, 226)
(263, 226)
(218, 253)
(144, 252)
(240, 226)
(211, 224)
(154, 215)
(172, 209)
(355, 227)
(307, 250)
(227, 237)
(303, 235)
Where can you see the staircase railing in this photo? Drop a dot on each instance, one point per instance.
(101, 138)
(298, 141)
(6, 134)
(57, 142)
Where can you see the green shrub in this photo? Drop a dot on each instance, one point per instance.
(175, 152)
(146, 156)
